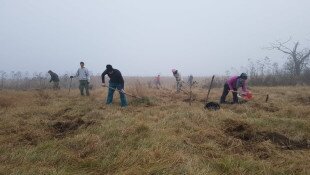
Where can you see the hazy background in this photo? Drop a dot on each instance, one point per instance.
(143, 37)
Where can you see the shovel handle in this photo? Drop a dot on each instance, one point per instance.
(210, 89)
(123, 92)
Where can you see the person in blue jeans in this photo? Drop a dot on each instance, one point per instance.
(116, 83)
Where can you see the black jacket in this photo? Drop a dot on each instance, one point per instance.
(54, 77)
(115, 77)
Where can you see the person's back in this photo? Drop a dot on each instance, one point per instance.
(232, 81)
(236, 82)
(116, 77)
(114, 74)
(54, 79)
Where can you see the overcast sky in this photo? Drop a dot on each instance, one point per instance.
(146, 37)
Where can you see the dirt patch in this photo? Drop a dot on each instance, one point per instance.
(28, 139)
(303, 100)
(60, 129)
(283, 141)
(247, 133)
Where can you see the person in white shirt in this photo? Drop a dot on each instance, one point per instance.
(178, 79)
(84, 78)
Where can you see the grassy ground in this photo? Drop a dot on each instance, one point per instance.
(47, 132)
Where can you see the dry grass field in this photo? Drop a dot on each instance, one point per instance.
(49, 132)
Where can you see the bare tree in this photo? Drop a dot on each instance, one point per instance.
(297, 60)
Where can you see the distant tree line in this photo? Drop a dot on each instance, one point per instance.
(262, 72)
(296, 70)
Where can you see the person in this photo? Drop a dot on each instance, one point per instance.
(83, 75)
(178, 79)
(54, 79)
(190, 80)
(116, 82)
(157, 81)
(233, 84)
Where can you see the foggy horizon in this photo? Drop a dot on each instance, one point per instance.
(145, 38)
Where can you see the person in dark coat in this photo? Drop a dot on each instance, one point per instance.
(116, 82)
(54, 79)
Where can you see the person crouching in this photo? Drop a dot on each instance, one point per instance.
(233, 84)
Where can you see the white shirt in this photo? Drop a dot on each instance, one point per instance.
(83, 74)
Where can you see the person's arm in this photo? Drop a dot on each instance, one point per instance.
(121, 80)
(52, 77)
(244, 87)
(87, 74)
(103, 76)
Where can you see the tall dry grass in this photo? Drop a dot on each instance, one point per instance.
(70, 134)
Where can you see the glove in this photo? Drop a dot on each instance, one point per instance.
(71, 76)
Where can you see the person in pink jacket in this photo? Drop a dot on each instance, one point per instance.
(233, 84)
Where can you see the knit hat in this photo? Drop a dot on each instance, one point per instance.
(244, 76)
(109, 67)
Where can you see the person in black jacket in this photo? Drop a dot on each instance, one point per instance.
(54, 79)
(116, 82)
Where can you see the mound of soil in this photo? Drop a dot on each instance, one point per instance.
(246, 133)
(61, 128)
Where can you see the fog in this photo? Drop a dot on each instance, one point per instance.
(142, 38)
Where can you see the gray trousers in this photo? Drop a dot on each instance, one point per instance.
(84, 85)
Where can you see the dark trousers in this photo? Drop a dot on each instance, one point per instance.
(112, 88)
(225, 93)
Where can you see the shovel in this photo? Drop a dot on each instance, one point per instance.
(123, 92)
(211, 105)
(70, 85)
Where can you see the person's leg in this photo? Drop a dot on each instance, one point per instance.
(225, 93)
(57, 85)
(178, 86)
(54, 85)
(235, 96)
(110, 93)
(122, 96)
(81, 87)
(87, 87)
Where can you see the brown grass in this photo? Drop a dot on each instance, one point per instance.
(53, 132)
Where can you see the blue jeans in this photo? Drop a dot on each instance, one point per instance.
(118, 86)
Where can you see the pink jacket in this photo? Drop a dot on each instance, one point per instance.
(232, 83)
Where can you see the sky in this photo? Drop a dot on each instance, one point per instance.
(147, 37)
